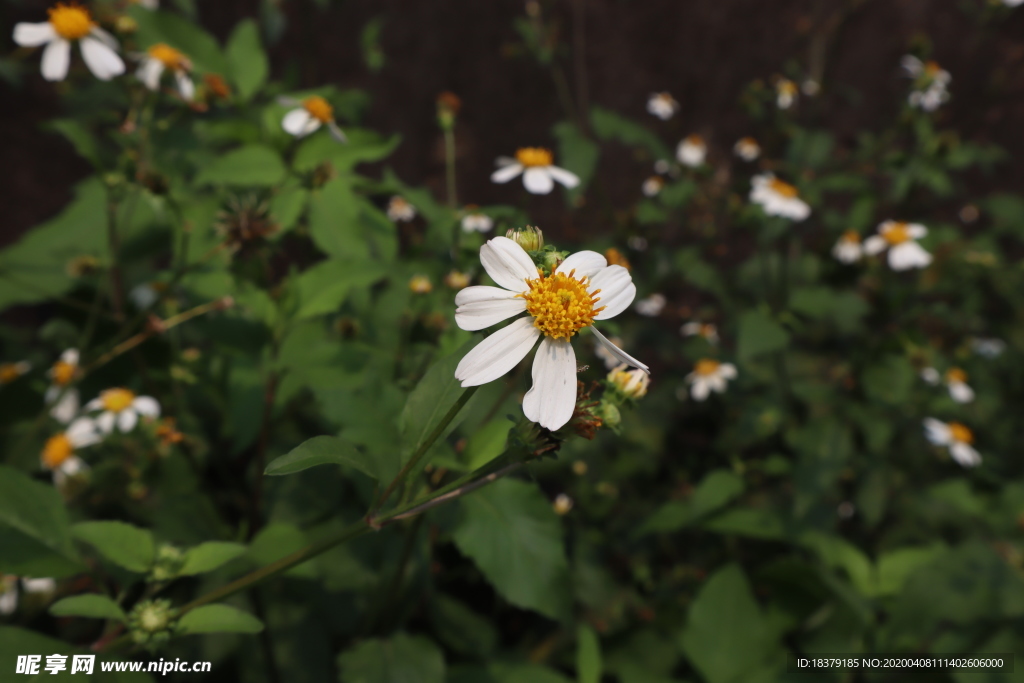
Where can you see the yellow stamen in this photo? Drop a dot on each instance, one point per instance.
(781, 188)
(116, 400)
(931, 68)
(560, 304)
(897, 233)
(960, 433)
(707, 330)
(786, 87)
(70, 21)
(62, 373)
(319, 108)
(172, 59)
(420, 284)
(534, 156)
(9, 372)
(57, 449)
(955, 375)
(706, 367)
(851, 236)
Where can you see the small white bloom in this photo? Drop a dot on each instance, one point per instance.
(59, 450)
(651, 306)
(39, 585)
(8, 594)
(143, 295)
(661, 166)
(123, 408)
(1013, 3)
(630, 383)
(709, 375)
(400, 210)
(63, 373)
(652, 186)
(785, 93)
(931, 83)
(162, 57)
(611, 361)
(848, 249)
(67, 24)
(956, 382)
(477, 222)
(147, 4)
(562, 505)
(637, 243)
(900, 239)
(956, 437)
(747, 149)
(308, 116)
(662, 105)
(12, 371)
(706, 330)
(557, 306)
(810, 87)
(931, 376)
(537, 168)
(692, 151)
(777, 198)
(988, 348)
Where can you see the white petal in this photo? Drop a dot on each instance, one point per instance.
(486, 306)
(66, 409)
(34, 35)
(960, 392)
(874, 245)
(619, 354)
(102, 61)
(727, 370)
(146, 405)
(70, 356)
(964, 454)
(105, 422)
(105, 37)
(149, 72)
(336, 132)
(39, 585)
(94, 404)
(537, 180)
(617, 291)
(935, 431)
(585, 263)
(82, 432)
(552, 398)
(506, 173)
(294, 122)
(8, 601)
(55, 60)
(931, 376)
(567, 178)
(700, 389)
(499, 353)
(185, 85)
(127, 419)
(908, 255)
(507, 264)
(916, 230)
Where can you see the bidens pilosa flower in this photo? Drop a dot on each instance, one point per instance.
(900, 239)
(747, 149)
(582, 289)
(9, 590)
(662, 105)
(848, 249)
(62, 374)
(692, 151)
(58, 453)
(651, 306)
(706, 330)
(777, 198)
(123, 407)
(474, 221)
(954, 436)
(308, 116)
(162, 57)
(630, 383)
(400, 210)
(785, 93)
(536, 165)
(955, 380)
(709, 375)
(652, 186)
(931, 83)
(69, 23)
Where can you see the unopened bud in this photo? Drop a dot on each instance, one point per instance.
(529, 238)
(562, 504)
(420, 284)
(630, 383)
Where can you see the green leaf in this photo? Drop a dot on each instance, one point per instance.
(253, 165)
(890, 381)
(715, 491)
(34, 529)
(81, 139)
(334, 221)
(325, 286)
(510, 531)
(218, 619)
(727, 638)
(400, 659)
(122, 544)
(92, 605)
(322, 450)
(759, 334)
(609, 125)
(363, 146)
(576, 153)
(247, 59)
(487, 443)
(461, 628)
(166, 27)
(588, 655)
(208, 556)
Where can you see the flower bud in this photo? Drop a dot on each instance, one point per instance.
(630, 383)
(456, 280)
(562, 504)
(169, 561)
(420, 284)
(609, 414)
(149, 622)
(529, 238)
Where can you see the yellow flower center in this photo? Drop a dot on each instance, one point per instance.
(898, 233)
(420, 284)
(116, 400)
(787, 87)
(781, 188)
(534, 156)
(931, 68)
(9, 372)
(318, 108)
(62, 373)
(707, 330)
(959, 433)
(956, 375)
(71, 22)
(172, 59)
(706, 367)
(851, 236)
(560, 304)
(57, 449)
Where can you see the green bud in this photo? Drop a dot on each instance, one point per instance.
(529, 238)
(150, 622)
(169, 561)
(609, 414)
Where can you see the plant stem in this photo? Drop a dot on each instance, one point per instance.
(114, 247)
(449, 162)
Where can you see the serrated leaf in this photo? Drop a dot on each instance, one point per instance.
(252, 165)
(208, 556)
(122, 544)
(92, 605)
(35, 534)
(218, 619)
(247, 58)
(322, 450)
(400, 659)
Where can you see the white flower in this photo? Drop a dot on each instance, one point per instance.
(747, 149)
(954, 436)
(777, 198)
(143, 295)
(810, 87)
(662, 105)
(931, 376)
(61, 375)
(558, 306)
(691, 151)
(988, 348)
(785, 93)
(637, 243)
(706, 330)
(562, 505)
(709, 375)
(652, 186)
(148, 4)
(58, 453)
(123, 407)
(8, 594)
(12, 371)
(930, 83)
(899, 238)
(535, 165)
(662, 166)
(400, 210)
(848, 249)
(630, 383)
(308, 116)
(69, 23)
(477, 222)
(956, 382)
(611, 361)
(651, 306)
(1013, 3)
(162, 57)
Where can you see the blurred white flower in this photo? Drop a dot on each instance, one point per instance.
(931, 376)
(848, 249)
(956, 437)
(58, 453)
(692, 151)
(308, 116)
(810, 87)
(785, 93)
(12, 371)
(537, 168)
(477, 222)
(956, 382)
(652, 186)
(63, 372)
(123, 407)
(662, 166)
(399, 210)
(69, 23)
(651, 306)
(709, 375)
(988, 347)
(162, 57)
(637, 243)
(562, 505)
(931, 83)
(747, 149)
(662, 105)
(706, 330)
(777, 198)
(900, 239)
(143, 295)
(1013, 3)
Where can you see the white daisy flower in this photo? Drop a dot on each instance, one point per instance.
(611, 361)
(558, 306)
(63, 373)
(706, 330)
(58, 454)
(308, 116)
(662, 166)
(162, 57)
(651, 306)
(69, 23)
(988, 348)
(477, 222)
(12, 371)
(562, 505)
(785, 93)
(931, 83)
(709, 375)
(747, 149)
(662, 105)
(956, 382)
(931, 376)
(692, 151)
(777, 198)
(630, 383)
(123, 407)
(652, 186)
(400, 210)
(900, 239)
(954, 436)
(848, 249)
(537, 168)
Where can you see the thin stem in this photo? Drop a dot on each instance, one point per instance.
(114, 247)
(449, 162)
